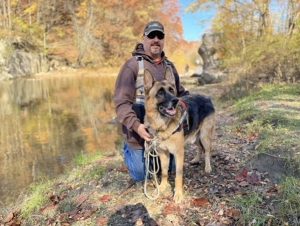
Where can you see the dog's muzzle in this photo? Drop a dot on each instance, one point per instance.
(169, 108)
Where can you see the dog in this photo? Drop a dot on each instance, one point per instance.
(164, 115)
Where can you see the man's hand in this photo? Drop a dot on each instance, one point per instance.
(143, 132)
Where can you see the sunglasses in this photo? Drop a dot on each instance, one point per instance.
(157, 34)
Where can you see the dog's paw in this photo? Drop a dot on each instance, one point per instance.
(195, 160)
(207, 169)
(178, 197)
(164, 187)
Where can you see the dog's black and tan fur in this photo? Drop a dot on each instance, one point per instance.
(163, 113)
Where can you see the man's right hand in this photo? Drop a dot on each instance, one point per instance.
(143, 132)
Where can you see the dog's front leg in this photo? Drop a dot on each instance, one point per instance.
(178, 196)
(164, 162)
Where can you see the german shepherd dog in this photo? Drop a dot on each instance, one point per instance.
(164, 111)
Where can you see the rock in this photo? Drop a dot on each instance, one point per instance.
(19, 58)
(23, 63)
(209, 52)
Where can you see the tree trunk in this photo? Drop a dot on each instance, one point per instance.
(4, 11)
(293, 15)
(9, 14)
(264, 14)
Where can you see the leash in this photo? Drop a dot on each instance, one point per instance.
(151, 151)
(183, 107)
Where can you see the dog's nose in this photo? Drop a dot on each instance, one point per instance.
(174, 102)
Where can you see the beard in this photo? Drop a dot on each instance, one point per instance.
(155, 49)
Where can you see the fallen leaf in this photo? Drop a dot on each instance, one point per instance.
(122, 169)
(242, 176)
(81, 199)
(54, 199)
(253, 178)
(171, 209)
(273, 190)
(252, 137)
(139, 222)
(65, 224)
(49, 209)
(9, 217)
(221, 212)
(88, 213)
(105, 198)
(102, 221)
(233, 213)
(200, 202)
(244, 184)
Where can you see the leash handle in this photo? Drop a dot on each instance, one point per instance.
(151, 151)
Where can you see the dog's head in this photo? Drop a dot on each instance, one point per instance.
(161, 94)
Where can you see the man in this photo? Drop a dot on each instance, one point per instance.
(130, 109)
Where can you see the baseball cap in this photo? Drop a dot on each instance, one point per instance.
(153, 26)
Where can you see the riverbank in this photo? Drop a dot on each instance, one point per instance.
(241, 190)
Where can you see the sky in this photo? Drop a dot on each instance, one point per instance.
(194, 24)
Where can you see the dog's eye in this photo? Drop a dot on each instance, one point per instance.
(161, 92)
(171, 90)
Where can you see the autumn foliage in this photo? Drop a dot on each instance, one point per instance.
(89, 32)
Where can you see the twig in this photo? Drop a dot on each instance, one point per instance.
(274, 156)
(86, 198)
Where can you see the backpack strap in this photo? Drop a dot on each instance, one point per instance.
(139, 84)
(169, 65)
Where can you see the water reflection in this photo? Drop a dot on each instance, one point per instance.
(45, 123)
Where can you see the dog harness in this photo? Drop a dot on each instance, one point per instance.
(139, 84)
(184, 121)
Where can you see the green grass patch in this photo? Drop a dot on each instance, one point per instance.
(86, 170)
(273, 113)
(67, 205)
(252, 210)
(96, 173)
(85, 159)
(37, 198)
(290, 205)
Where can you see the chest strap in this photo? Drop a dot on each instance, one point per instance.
(139, 84)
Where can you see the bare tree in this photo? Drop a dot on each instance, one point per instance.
(86, 42)
(5, 14)
(262, 7)
(293, 15)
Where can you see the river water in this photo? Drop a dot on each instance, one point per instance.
(46, 122)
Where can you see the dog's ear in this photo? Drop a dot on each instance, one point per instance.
(169, 76)
(148, 80)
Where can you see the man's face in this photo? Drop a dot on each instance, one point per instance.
(154, 44)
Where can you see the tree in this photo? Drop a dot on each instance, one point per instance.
(293, 16)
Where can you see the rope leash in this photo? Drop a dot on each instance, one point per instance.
(151, 151)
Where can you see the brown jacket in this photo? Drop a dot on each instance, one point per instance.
(129, 114)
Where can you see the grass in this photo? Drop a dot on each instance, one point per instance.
(290, 195)
(86, 170)
(37, 198)
(85, 159)
(273, 114)
(251, 208)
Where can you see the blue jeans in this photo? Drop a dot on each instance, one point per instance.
(135, 162)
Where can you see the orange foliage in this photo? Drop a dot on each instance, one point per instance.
(96, 32)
